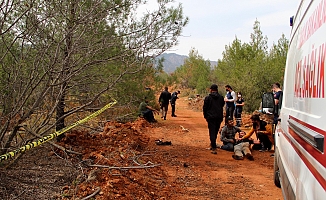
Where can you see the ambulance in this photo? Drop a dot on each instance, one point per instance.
(299, 158)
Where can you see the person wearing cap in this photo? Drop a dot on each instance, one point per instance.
(264, 132)
(174, 98)
(213, 113)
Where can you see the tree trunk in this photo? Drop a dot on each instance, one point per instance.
(60, 110)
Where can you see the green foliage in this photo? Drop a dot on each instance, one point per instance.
(249, 68)
(194, 73)
(61, 58)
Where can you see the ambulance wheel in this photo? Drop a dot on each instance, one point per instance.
(277, 181)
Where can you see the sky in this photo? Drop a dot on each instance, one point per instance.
(215, 23)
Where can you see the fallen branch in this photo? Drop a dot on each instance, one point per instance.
(20, 194)
(184, 129)
(130, 167)
(92, 195)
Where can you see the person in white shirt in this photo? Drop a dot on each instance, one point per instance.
(229, 99)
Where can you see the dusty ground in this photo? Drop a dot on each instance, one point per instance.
(124, 162)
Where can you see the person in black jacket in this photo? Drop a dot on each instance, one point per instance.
(174, 98)
(213, 113)
(164, 101)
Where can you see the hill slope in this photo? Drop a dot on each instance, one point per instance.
(173, 60)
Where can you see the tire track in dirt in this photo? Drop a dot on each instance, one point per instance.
(202, 175)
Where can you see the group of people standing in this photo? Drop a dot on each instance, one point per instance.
(166, 98)
(239, 143)
(234, 104)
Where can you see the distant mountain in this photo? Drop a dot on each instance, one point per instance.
(173, 60)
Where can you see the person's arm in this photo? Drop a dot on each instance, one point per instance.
(277, 97)
(249, 134)
(237, 129)
(205, 107)
(237, 133)
(223, 138)
(269, 130)
(223, 135)
(233, 97)
(240, 104)
(237, 136)
(172, 97)
(152, 109)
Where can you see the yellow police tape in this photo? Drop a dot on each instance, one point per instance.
(53, 135)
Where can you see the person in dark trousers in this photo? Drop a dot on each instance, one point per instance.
(213, 113)
(174, 98)
(278, 93)
(147, 112)
(230, 100)
(164, 101)
(239, 103)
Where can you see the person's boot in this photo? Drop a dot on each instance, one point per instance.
(263, 149)
(237, 157)
(249, 156)
(214, 151)
(238, 123)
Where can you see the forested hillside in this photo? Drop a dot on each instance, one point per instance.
(173, 60)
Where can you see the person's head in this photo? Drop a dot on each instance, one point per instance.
(178, 91)
(228, 88)
(239, 95)
(241, 134)
(255, 119)
(145, 99)
(166, 88)
(229, 121)
(213, 88)
(275, 87)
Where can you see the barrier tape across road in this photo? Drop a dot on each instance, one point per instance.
(53, 135)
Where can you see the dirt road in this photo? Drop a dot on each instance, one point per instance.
(203, 175)
(124, 162)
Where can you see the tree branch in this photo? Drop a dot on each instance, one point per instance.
(130, 167)
(92, 195)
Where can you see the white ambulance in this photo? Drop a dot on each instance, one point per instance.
(300, 159)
